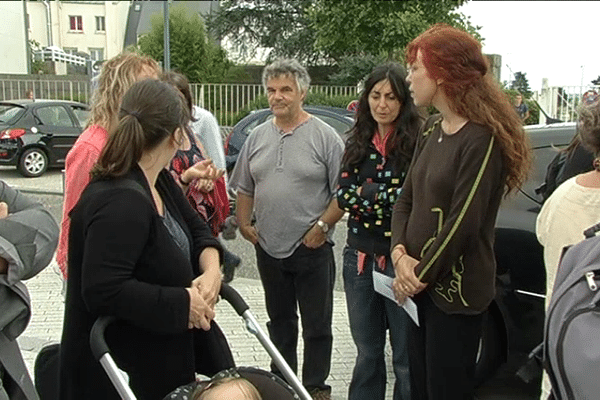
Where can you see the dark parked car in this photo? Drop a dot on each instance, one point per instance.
(514, 324)
(37, 134)
(339, 119)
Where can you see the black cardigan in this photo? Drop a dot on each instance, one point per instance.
(123, 262)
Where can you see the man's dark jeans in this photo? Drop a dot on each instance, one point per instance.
(305, 279)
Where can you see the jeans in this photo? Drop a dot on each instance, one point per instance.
(305, 280)
(370, 316)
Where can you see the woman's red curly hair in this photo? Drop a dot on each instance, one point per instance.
(455, 58)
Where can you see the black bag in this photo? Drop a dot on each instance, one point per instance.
(553, 172)
(46, 370)
(565, 165)
(212, 351)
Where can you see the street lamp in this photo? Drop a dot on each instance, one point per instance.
(166, 35)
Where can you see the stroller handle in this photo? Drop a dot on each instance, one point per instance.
(97, 341)
(233, 297)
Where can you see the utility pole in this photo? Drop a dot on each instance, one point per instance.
(167, 48)
(27, 44)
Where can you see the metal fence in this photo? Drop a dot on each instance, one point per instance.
(561, 102)
(224, 100)
(11, 89)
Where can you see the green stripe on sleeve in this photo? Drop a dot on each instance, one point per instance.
(462, 212)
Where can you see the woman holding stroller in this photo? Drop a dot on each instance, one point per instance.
(377, 156)
(466, 158)
(135, 248)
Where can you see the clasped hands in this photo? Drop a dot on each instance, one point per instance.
(203, 293)
(203, 175)
(406, 284)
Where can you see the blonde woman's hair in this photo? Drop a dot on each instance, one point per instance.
(116, 77)
(151, 111)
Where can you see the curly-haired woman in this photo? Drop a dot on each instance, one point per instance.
(467, 157)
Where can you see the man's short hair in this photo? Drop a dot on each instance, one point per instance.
(287, 67)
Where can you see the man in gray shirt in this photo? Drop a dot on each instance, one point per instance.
(287, 173)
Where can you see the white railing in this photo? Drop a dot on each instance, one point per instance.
(56, 54)
(45, 89)
(561, 102)
(224, 100)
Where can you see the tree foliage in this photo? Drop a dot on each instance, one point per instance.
(521, 84)
(356, 27)
(352, 69)
(193, 52)
(330, 30)
(279, 25)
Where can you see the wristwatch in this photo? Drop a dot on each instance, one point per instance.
(323, 225)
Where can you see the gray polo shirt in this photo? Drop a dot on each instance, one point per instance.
(292, 178)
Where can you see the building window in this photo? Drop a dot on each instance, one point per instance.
(70, 50)
(100, 25)
(96, 54)
(76, 23)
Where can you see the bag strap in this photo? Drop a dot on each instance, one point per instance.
(591, 231)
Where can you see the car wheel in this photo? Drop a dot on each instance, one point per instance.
(490, 354)
(33, 162)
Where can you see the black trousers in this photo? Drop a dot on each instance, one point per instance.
(442, 353)
(305, 280)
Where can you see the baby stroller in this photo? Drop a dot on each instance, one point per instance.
(269, 385)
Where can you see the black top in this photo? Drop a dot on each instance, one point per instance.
(124, 262)
(446, 215)
(369, 228)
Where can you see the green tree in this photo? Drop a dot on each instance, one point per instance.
(521, 84)
(37, 66)
(280, 25)
(193, 52)
(352, 69)
(356, 27)
(317, 31)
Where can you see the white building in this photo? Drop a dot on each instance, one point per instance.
(96, 28)
(13, 46)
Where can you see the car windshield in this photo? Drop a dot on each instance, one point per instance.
(9, 112)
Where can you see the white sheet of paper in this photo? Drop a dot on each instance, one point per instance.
(383, 285)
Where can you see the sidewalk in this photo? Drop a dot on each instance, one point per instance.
(46, 326)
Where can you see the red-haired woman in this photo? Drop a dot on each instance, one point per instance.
(466, 158)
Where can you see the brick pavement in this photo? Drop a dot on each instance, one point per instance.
(46, 326)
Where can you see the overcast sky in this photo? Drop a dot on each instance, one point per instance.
(544, 39)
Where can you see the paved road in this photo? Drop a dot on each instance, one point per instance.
(46, 323)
